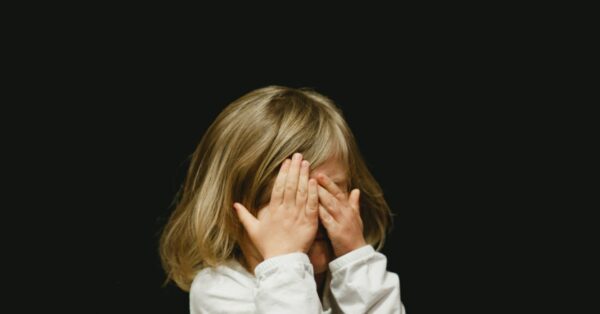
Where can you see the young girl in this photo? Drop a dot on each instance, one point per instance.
(279, 214)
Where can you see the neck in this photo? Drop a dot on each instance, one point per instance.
(250, 263)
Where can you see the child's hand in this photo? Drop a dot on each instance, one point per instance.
(289, 224)
(340, 215)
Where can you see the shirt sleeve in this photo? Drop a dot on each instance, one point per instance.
(218, 292)
(286, 284)
(360, 283)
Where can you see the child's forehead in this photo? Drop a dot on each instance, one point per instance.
(334, 168)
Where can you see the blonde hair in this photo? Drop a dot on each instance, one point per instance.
(237, 160)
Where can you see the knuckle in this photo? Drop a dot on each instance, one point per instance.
(333, 204)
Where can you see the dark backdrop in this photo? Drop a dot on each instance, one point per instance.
(117, 122)
(432, 149)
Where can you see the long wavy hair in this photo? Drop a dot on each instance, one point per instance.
(237, 160)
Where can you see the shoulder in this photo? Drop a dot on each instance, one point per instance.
(225, 286)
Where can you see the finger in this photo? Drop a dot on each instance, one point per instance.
(354, 199)
(279, 185)
(327, 183)
(312, 205)
(246, 218)
(326, 219)
(291, 182)
(302, 192)
(328, 201)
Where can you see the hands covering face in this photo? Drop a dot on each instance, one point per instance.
(290, 222)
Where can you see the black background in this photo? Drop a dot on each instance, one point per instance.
(436, 157)
(439, 125)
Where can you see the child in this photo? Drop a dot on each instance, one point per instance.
(267, 221)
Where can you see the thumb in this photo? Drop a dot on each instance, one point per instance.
(246, 218)
(355, 199)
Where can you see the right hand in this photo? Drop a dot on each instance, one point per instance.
(289, 224)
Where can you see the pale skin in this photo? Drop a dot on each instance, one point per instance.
(309, 212)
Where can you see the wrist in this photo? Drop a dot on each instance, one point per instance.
(350, 248)
(279, 253)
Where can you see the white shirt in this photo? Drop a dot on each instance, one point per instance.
(356, 283)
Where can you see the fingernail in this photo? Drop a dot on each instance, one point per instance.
(305, 163)
(297, 156)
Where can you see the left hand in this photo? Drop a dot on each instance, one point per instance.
(340, 215)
